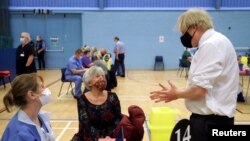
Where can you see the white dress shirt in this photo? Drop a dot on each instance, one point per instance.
(214, 67)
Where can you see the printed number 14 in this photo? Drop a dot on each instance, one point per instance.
(186, 136)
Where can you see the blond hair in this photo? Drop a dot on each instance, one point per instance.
(194, 17)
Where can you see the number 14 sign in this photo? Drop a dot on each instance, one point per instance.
(181, 131)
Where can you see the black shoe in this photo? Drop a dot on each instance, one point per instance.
(122, 75)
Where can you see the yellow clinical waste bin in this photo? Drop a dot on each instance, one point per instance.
(161, 123)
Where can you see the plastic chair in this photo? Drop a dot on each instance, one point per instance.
(159, 63)
(63, 80)
(3, 74)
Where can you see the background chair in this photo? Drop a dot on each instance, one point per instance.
(63, 79)
(3, 74)
(159, 63)
(183, 66)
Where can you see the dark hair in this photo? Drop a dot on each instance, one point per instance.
(86, 52)
(20, 86)
(78, 51)
(116, 38)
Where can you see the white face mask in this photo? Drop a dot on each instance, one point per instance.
(22, 40)
(46, 97)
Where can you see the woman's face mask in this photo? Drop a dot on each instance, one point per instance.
(100, 85)
(22, 40)
(46, 97)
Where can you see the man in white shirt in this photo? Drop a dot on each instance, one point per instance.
(213, 79)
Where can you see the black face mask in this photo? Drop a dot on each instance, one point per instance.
(186, 40)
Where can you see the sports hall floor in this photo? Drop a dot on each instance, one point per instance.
(134, 89)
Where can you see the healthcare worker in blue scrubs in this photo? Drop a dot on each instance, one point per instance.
(30, 123)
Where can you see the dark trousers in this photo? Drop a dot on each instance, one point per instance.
(199, 125)
(120, 61)
(41, 62)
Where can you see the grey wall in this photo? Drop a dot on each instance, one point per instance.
(140, 30)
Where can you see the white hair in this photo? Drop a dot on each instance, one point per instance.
(90, 73)
(27, 35)
(102, 64)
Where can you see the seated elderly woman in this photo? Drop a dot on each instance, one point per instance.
(99, 111)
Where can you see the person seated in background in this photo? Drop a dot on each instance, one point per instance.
(103, 51)
(74, 71)
(94, 55)
(242, 69)
(244, 61)
(106, 57)
(240, 97)
(186, 58)
(99, 111)
(30, 122)
(110, 77)
(86, 61)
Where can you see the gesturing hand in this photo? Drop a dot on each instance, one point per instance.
(165, 94)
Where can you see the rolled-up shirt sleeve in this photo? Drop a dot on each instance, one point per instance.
(207, 67)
